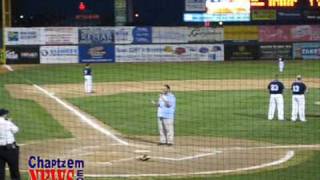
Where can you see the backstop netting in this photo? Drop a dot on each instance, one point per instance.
(150, 102)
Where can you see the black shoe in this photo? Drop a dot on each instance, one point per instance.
(161, 144)
(169, 144)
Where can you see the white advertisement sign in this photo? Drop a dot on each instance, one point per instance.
(61, 35)
(169, 53)
(23, 36)
(59, 54)
(205, 35)
(170, 34)
(123, 35)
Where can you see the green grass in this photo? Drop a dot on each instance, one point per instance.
(33, 121)
(72, 73)
(31, 116)
(236, 114)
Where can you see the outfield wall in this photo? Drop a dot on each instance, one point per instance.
(148, 44)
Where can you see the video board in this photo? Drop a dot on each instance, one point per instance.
(251, 10)
(222, 10)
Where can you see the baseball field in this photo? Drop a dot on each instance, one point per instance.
(221, 126)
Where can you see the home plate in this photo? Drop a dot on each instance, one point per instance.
(141, 151)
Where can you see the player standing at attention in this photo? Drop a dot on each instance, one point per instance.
(298, 100)
(87, 73)
(9, 150)
(275, 88)
(166, 111)
(281, 64)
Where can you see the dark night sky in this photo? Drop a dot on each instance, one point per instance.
(152, 12)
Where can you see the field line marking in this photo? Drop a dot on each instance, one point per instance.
(297, 146)
(186, 157)
(82, 117)
(163, 158)
(8, 67)
(290, 154)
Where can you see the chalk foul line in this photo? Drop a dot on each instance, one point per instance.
(9, 68)
(81, 116)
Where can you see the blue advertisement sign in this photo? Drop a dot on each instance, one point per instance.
(306, 51)
(96, 35)
(142, 35)
(96, 53)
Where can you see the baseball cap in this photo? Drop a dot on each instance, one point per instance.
(4, 112)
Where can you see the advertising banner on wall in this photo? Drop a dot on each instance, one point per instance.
(289, 33)
(169, 52)
(195, 5)
(142, 35)
(289, 15)
(312, 15)
(263, 15)
(96, 35)
(274, 51)
(240, 33)
(123, 35)
(22, 55)
(96, 53)
(170, 34)
(133, 35)
(24, 36)
(306, 51)
(241, 51)
(61, 35)
(58, 54)
(205, 35)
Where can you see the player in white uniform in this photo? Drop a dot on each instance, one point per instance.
(166, 111)
(298, 99)
(275, 88)
(87, 73)
(281, 64)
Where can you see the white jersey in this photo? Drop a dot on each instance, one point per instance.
(7, 131)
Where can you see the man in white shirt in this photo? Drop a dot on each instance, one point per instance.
(9, 151)
(166, 111)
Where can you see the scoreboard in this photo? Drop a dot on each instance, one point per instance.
(266, 4)
(252, 10)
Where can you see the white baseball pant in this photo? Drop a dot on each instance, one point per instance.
(298, 107)
(166, 130)
(281, 66)
(88, 84)
(276, 101)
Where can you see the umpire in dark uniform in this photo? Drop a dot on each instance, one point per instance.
(9, 151)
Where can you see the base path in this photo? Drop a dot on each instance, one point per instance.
(108, 154)
(109, 88)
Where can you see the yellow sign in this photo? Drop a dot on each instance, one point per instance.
(282, 3)
(236, 33)
(263, 14)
